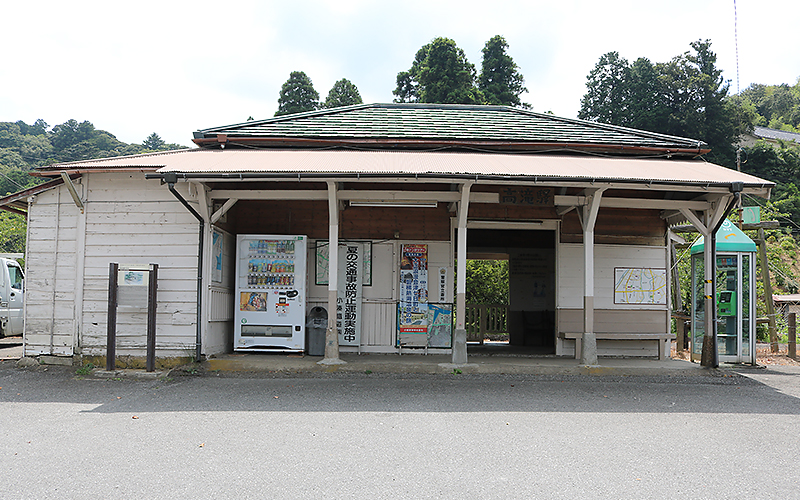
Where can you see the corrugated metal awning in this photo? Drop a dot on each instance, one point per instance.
(204, 163)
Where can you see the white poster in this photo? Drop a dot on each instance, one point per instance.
(349, 294)
(442, 285)
(216, 256)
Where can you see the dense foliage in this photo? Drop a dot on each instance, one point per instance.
(775, 106)
(487, 282)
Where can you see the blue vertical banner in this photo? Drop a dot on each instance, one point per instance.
(414, 292)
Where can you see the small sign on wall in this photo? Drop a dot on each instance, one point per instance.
(442, 275)
(132, 282)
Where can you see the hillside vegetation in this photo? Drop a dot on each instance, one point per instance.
(24, 147)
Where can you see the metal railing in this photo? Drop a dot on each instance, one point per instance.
(485, 319)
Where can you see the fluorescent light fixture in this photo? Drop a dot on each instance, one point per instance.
(395, 203)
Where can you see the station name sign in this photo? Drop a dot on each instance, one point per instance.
(527, 196)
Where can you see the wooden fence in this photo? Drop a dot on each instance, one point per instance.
(485, 319)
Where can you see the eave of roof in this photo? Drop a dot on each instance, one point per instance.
(18, 202)
(298, 164)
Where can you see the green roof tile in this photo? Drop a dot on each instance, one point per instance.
(445, 122)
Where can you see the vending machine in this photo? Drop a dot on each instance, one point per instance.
(270, 293)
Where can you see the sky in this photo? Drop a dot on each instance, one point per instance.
(173, 67)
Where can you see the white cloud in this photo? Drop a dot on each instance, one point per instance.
(175, 67)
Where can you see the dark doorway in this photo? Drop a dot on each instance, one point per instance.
(531, 283)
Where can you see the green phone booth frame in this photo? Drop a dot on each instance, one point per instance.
(736, 296)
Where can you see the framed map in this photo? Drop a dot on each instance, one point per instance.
(322, 256)
(640, 285)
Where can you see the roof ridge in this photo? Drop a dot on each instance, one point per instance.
(608, 126)
(292, 116)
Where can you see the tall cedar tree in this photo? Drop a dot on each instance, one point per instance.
(500, 79)
(343, 93)
(297, 95)
(685, 97)
(441, 74)
(154, 142)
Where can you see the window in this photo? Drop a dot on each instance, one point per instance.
(15, 273)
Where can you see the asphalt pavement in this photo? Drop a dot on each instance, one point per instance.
(398, 435)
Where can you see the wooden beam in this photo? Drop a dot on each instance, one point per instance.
(768, 224)
(223, 210)
(360, 195)
(646, 203)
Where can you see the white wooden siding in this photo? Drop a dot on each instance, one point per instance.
(606, 258)
(616, 321)
(608, 317)
(615, 348)
(129, 220)
(50, 281)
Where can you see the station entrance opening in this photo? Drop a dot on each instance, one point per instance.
(530, 314)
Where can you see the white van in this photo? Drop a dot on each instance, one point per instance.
(11, 297)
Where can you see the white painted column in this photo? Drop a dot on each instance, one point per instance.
(460, 335)
(332, 334)
(589, 340)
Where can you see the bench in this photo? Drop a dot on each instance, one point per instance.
(663, 339)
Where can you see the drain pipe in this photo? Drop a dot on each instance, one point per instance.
(171, 178)
(736, 189)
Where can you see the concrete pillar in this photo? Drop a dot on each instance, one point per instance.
(332, 334)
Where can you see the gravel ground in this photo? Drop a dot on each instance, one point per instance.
(763, 355)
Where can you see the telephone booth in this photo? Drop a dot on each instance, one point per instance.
(736, 296)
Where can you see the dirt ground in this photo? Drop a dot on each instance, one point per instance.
(763, 355)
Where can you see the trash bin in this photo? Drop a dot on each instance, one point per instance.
(316, 325)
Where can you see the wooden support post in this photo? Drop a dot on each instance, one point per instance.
(152, 302)
(677, 300)
(793, 336)
(768, 301)
(484, 313)
(111, 334)
(680, 331)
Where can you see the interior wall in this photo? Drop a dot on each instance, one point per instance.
(532, 296)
